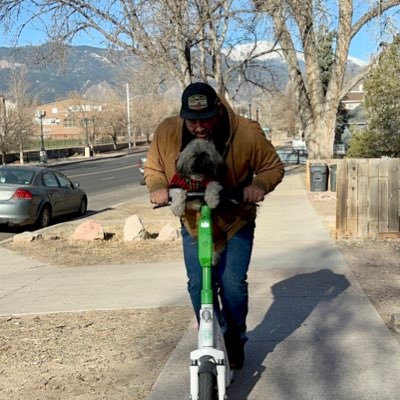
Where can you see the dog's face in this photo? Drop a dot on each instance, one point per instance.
(200, 159)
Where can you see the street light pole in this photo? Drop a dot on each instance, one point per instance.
(42, 154)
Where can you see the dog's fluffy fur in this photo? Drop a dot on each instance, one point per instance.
(198, 162)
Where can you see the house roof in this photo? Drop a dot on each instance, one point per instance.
(354, 97)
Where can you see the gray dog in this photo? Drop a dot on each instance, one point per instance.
(198, 168)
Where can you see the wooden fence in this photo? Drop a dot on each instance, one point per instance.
(367, 197)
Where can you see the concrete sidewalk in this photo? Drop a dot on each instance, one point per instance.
(28, 286)
(313, 334)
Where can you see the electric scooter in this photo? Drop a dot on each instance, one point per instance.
(210, 374)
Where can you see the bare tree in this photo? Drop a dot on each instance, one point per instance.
(21, 113)
(152, 99)
(284, 116)
(298, 22)
(6, 128)
(83, 113)
(111, 122)
(191, 40)
(187, 38)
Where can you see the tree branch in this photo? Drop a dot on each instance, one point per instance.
(372, 13)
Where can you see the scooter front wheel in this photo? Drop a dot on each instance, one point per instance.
(207, 386)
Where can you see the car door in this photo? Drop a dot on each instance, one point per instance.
(55, 193)
(72, 195)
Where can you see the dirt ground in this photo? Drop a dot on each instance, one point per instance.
(118, 354)
(374, 262)
(89, 355)
(97, 354)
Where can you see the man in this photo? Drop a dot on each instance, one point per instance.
(252, 165)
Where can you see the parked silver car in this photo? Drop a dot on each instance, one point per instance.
(35, 195)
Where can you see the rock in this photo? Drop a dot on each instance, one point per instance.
(168, 233)
(27, 237)
(87, 231)
(134, 229)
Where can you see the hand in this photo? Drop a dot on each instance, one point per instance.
(253, 194)
(159, 197)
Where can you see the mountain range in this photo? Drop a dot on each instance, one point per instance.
(86, 68)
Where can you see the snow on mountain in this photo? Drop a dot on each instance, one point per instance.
(241, 51)
(357, 61)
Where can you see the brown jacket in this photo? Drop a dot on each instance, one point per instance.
(249, 150)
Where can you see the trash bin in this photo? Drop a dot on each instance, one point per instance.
(319, 177)
(332, 177)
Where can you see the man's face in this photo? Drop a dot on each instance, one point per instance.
(201, 128)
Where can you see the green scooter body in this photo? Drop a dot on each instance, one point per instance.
(205, 249)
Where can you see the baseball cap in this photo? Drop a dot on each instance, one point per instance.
(199, 101)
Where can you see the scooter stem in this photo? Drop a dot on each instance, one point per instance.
(205, 248)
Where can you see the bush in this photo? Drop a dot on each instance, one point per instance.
(366, 143)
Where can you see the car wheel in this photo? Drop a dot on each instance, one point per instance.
(44, 218)
(83, 207)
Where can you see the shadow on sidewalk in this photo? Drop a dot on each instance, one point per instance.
(294, 300)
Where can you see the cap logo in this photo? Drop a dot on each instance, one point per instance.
(197, 102)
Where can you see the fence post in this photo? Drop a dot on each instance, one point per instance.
(394, 187)
(341, 198)
(373, 198)
(362, 198)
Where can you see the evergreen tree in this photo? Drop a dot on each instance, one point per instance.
(362, 144)
(382, 105)
(325, 51)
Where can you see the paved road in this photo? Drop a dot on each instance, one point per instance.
(107, 182)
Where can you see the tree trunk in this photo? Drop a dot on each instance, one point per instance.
(320, 136)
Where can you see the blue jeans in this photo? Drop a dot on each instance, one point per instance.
(229, 277)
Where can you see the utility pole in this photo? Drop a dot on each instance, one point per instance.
(128, 117)
(3, 117)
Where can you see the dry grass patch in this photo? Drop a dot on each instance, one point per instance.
(57, 248)
(89, 355)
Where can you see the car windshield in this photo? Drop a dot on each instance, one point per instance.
(16, 176)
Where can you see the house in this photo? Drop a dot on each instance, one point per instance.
(66, 119)
(354, 97)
